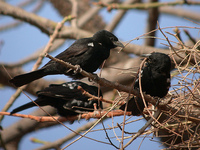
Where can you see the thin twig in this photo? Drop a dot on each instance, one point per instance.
(95, 97)
(143, 128)
(71, 118)
(108, 137)
(168, 41)
(69, 137)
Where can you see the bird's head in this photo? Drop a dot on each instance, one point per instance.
(107, 39)
(159, 61)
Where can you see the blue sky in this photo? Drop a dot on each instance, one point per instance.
(25, 39)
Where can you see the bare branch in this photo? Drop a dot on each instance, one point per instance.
(145, 5)
(143, 128)
(153, 16)
(115, 21)
(180, 12)
(86, 116)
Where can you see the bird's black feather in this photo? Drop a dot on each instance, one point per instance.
(155, 80)
(66, 98)
(135, 105)
(88, 53)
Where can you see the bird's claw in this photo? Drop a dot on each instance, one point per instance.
(79, 118)
(78, 69)
(96, 78)
(157, 102)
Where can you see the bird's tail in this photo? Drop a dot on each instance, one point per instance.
(136, 109)
(27, 78)
(40, 102)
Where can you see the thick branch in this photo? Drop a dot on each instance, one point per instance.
(153, 16)
(180, 12)
(45, 25)
(120, 14)
(146, 5)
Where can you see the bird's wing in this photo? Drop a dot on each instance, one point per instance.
(58, 91)
(77, 48)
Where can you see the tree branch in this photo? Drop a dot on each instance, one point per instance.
(145, 5)
(153, 16)
(87, 116)
(45, 25)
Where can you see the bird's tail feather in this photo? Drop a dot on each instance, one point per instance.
(23, 107)
(27, 78)
(136, 109)
(40, 102)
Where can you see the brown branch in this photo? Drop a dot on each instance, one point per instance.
(89, 15)
(180, 12)
(74, 12)
(86, 116)
(26, 126)
(189, 36)
(61, 141)
(25, 3)
(142, 130)
(145, 5)
(168, 41)
(95, 97)
(17, 23)
(153, 16)
(45, 25)
(117, 18)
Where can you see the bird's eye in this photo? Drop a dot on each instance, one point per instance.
(112, 38)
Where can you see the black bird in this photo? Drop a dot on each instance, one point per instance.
(155, 80)
(66, 98)
(88, 53)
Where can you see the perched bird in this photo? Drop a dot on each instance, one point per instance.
(155, 80)
(66, 98)
(88, 53)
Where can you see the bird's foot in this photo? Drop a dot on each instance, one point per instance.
(95, 106)
(157, 102)
(79, 118)
(96, 78)
(78, 69)
(96, 112)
